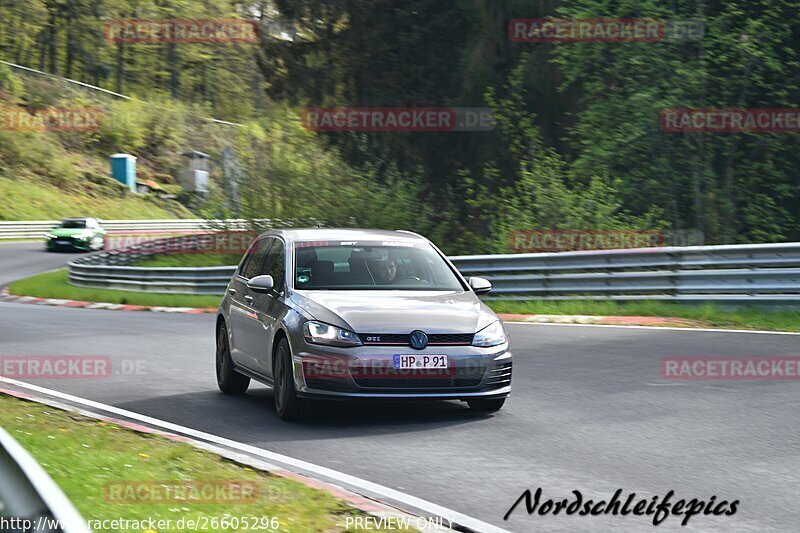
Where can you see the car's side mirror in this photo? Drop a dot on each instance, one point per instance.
(480, 285)
(261, 283)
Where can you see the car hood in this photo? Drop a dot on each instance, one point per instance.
(397, 311)
(67, 232)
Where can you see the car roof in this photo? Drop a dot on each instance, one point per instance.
(345, 234)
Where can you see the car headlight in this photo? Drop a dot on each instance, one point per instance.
(321, 333)
(491, 335)
(49, 236)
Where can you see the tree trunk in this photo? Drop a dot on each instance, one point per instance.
(70, 47)
(172, 61)
(120, 70)
(53, 41)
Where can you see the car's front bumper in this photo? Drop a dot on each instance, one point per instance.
(68, 243)
(367, 372)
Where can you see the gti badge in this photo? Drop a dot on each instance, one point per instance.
(418, 340)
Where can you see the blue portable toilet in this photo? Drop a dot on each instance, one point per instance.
(123, 169)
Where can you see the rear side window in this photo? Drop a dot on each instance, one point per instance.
(255, 258)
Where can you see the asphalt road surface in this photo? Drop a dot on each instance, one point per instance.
(22, 259)
(589, 412)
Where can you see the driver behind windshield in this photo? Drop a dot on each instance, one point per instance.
(384, 270)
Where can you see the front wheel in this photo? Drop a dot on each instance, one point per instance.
(288, 404)
(486, 406)
(228, 379)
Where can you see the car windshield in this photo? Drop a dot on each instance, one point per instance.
(372, 266)
(74, 224)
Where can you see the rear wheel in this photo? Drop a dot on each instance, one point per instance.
(288, 404)
(486, 406)
(228, 379)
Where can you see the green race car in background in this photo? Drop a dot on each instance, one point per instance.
(84, 233)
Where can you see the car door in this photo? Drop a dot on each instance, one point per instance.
(270, 306)
(245, 326)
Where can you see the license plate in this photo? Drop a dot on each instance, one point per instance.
(62, 241)
(408, 362)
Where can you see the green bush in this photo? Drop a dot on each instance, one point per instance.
(9, 83)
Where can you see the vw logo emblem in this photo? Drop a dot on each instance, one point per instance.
(418, 340)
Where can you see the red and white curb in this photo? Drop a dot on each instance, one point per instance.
(6, 296)
(383, 513)
(600, 320)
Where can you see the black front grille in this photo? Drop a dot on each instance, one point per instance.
(411, 383)
(336, 385)
(435, 339)
(450, 338)
(419, 379)
(370, 338)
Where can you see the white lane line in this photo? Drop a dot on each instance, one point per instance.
(656, 328)
(371, 488)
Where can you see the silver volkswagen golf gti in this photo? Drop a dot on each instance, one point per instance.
(370, 314)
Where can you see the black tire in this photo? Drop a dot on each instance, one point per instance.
(288, 405)
(486, 406)
(228, 379)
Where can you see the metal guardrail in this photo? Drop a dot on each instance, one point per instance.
(206, 280)
(111, 270)
(28, 493)
(767, 273)
(36, 229)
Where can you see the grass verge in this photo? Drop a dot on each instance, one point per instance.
(706, 315)
(189, 260)
(28, 200)
(84, 456)
(54, 285)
